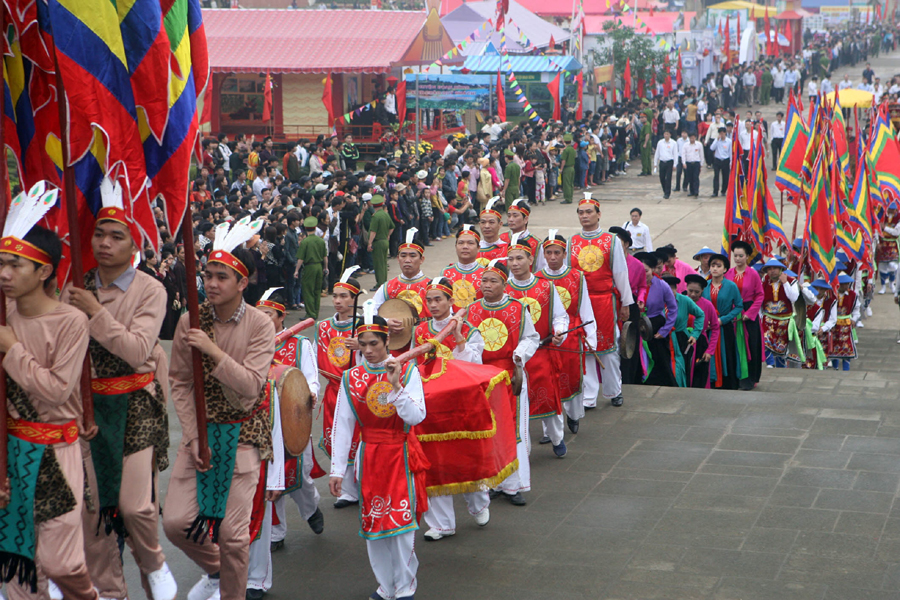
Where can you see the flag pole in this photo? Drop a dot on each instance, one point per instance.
(70, 199)
(193, 305)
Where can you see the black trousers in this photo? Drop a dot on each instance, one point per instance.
(776, 151)
(679, 175)
(721, 167)
(692, 177)
(665, 176)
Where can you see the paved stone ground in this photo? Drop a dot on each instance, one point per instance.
(785, 493)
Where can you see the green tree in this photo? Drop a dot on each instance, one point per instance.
(623, 43)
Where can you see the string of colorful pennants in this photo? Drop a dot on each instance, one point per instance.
(626, 9)
(521, 98)
(529, 45)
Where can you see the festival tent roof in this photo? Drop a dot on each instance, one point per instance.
(461, 22)
(659, 22)
(757, 11)
(308, 41)
(521, 63)
(793, 15)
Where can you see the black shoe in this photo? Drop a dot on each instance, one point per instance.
(544, 440)
(276, 546)
(374, 288)
(494, 494)
(254, 594)
(375, 596)
(617, 401)
(573, 425)
(714, 196)
(677, 190)
(317, 522)
(516, 499)
(665, 196)
(341, 503)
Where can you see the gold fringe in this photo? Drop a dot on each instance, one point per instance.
(465, 487)
(436, 375)
(502, 377)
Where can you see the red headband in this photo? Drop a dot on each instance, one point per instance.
(412, 246)
(471, 232)
(440, 287)
(347, 286)
(270, 304)
(520, 246)
(112, 213)
(372, 328)
(590, 201)
(229, 260)
(554, 242)
(491, 212)
(502, 275)
(13, 245)
(521, 209)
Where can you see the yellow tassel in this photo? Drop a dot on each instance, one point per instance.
(465, 487)
(502, 377)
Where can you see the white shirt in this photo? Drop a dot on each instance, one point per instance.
(749, 79)
(744, 138)
(721, 148)
(812, 88)
(867, 87)
(727, 82)
(670, 115)
(665, 151)
(390, 103)
(692, 153)
(827, 86)
(410, 405)
(879, 92)
(845, 84)
(640, 236)
(302, 155)
(777, 78)
(585, 311)
(560, 316)
(776, 130)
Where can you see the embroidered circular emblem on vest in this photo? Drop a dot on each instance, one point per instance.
(441, 351)
(413, 297)
(464, 293)
(495, 334)
(590, 258)
(376, 399)
(338, 353)
(565, 296)
(534, 308)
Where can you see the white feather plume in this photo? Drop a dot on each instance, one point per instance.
(268, 293)
(514, 238)
(26, 210)
(368, 311)
(111, 194)
(587, 195)
(551, 235)
(494, 262)
(490, 203)
(411, 235)
(242, 231)
(348, 272)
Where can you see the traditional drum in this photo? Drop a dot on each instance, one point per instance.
(469, 433)
(295, 406)
(403, 311)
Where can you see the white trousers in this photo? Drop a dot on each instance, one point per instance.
(306, 498)
(575, 407)
(259, 571)
(612, 377)
(350, 485)
(553, 427)
(395, 564)
(520, 481)
(441, 515)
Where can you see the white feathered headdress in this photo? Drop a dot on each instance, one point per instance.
(489, 207)
(345, 280)
(267, 301)
(25, 212)
(411, 241)
(229, 239)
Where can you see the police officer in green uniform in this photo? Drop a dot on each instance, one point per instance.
(567, 164)
(311, 256)
(646, 142)
(765, 89)
(380, 229)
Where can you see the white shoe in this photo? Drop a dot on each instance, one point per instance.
(205, 589)
(162, 584)
(770, 366)
(54, 591)
(860, 324)
(868, 311)
(482, 518)
(433, 535)
(881, 291)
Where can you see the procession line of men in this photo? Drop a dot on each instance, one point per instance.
(553, 310)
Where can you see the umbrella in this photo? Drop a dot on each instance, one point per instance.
(851, 97)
